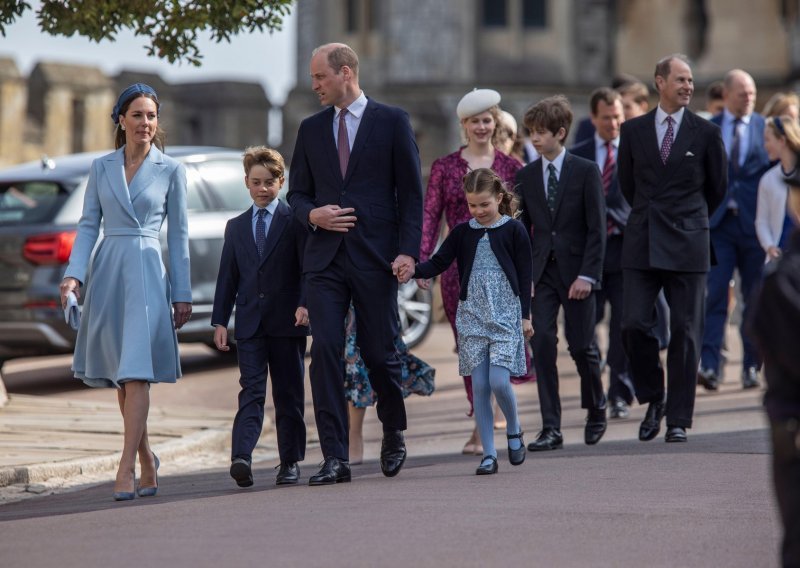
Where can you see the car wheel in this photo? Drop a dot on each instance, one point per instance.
(415, 307)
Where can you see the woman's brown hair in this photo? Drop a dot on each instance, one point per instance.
(160, 136)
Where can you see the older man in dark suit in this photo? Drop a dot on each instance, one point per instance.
(672, 170)
(355, 182)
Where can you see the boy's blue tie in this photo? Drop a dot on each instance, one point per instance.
(261, 237)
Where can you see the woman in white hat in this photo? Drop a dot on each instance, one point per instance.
(479, 114)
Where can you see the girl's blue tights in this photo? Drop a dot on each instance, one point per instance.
(488, 379)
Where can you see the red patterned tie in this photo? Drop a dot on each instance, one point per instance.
(666, 144)
(343, 143)
(608, 174)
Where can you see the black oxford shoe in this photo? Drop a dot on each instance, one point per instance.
(750, 378)
(548, 439)
(675, 434)
(393, 452)
(516, 457)
(241, 472)
(333, 471)
(651, 425)
(596, 424)
(487, 468)
(288, 473)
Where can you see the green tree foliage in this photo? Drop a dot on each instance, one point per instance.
(170, 26)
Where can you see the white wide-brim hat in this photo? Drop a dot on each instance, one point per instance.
(476, 102)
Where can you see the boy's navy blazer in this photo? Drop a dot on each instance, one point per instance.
(576, 232)
(616, 206)
(267, 290)
(382, 183)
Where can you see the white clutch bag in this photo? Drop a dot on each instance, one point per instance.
(72, 312)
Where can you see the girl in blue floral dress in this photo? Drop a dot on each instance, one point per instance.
(493, 254)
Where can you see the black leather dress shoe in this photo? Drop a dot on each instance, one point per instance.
(618, 408)
(288, 473)
(708, 379)
(750, 378)
(241, 472)
(675, 434)
(393, 452)
(333, 471)
(596, 424)
(487, 468)
(548, 439)
(516, 457)
(651, 425)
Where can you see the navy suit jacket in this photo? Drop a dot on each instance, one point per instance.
(383, 184)
(668, 228)
(617, 208)
(743, 185)
(576, 231)
(266, 291)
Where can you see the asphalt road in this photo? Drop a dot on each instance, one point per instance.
(621, 503)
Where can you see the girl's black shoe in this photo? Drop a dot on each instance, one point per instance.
(487, 468)
(516, 457)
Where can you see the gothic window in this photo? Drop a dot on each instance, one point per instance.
(495, 13)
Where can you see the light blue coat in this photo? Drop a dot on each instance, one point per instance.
(126, 329)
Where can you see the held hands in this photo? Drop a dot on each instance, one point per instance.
(579, 290)
(182, 313)
(333, 218)
(527, 328)
(68, 285)
(221, 338)
(773, 253)
(301, 317)
(403, 268)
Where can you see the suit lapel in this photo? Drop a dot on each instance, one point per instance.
(650, 139)
(279, 221)
(245, 232)
(151, 168)
(537, 187)
(364, 130)
(114, 167)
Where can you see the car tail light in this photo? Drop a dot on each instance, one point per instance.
(41, 304)
(52, 248)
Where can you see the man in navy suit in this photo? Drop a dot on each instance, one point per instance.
(260, 272)
(355, 182)
(607, 115)
(672, 170)
(733, 232)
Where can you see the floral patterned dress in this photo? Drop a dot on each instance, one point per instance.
(445, 196)
(417, 377)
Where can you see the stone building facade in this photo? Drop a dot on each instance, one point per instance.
(62, 109)
(423, 55)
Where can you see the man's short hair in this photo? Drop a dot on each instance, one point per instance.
(552, 113)
(664, 66)
(339, 55)
(604, 94)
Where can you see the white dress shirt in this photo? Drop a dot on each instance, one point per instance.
(352, 119)
(601, 151)
(661, 124)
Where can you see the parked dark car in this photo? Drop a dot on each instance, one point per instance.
(40, 205)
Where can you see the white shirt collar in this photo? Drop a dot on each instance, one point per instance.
(356, 108)
(557, 162)
(661, 115)
(600, 143)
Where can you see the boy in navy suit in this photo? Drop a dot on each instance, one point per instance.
(261, 272)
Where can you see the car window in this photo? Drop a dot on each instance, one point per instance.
(194, 202)
(225, 179)
(30, 202)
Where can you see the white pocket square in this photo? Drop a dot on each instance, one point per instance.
(72, 312)
(689, 154)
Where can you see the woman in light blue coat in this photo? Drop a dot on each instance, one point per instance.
(132, 307)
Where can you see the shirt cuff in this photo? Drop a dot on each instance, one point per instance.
(591, 281)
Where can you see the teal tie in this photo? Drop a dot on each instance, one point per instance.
(552, 188)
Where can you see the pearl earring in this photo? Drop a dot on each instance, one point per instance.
(122, 126)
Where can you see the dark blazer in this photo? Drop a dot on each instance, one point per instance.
(576, 232)
(382, 182)
(511, 246)
(616, 207)
(668, 228)
(268, 291)
(743, 185)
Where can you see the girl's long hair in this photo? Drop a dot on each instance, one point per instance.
(484, 179)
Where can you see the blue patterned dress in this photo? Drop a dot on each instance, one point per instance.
(490, 319)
